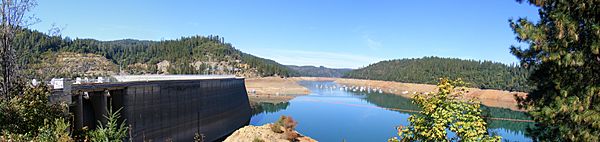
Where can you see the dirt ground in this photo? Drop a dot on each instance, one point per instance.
(272, 98)
(274, 89)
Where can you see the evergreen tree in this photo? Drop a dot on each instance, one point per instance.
(564, 55)
(480, 74)
(32, 45)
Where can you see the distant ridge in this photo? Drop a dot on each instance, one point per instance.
(312, 71)
(480, 74)
(187, 55)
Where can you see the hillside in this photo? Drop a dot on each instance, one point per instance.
(66, 64)
(186, 55)
(479, 74)
(312, 71)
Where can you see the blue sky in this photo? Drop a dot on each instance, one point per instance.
(331, 33)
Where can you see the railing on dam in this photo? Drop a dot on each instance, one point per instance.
(161, 108)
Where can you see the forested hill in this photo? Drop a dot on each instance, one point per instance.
(187, 55)
(480, 74)
(312, 71)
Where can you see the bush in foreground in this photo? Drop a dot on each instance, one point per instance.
(112, 132)
(287, 126)
(29, 116)
(442, 111)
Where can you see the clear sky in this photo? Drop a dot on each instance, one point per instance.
(331, 33)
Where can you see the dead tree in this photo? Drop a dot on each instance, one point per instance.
(14, 17)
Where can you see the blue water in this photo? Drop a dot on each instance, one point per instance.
(332, 115)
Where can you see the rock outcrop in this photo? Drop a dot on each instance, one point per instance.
(261, 133)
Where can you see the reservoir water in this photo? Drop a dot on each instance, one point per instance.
(333, 115)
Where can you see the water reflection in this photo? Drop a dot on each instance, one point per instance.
(396, 103)
(518, 128)
(267, 107)
(333, 114)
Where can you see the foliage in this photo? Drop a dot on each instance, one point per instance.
(392, 101)
(267, 67)
(260, 107)
(442, 111)
(564, 55)
(258, 140)
(287, 122)
(13, 14)
(276, 128)
(187, 55)
(112, 132)
(27, 112)
(6, 136)
(320, 71)
(56, 132)
(287, 126)
(404, 105)
(492, 112)
(31, 117)
(480, 74)
(198, 137)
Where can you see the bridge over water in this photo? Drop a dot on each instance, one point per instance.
(163, 107)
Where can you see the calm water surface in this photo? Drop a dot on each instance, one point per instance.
(334, 115)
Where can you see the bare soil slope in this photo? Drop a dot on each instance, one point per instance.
(66, 64)
(274, 89)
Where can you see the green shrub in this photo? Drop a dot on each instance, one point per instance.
(287, 126)
(57, 132)
(285, 123)
(276, 128)
(198, 137)
(29, 114)
(288, 122)
(112, 132)
(258, 140)
(442, 111)
(6, 136)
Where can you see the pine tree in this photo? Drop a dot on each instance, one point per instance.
(564, 56)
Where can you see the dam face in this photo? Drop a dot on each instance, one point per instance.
(164, 110)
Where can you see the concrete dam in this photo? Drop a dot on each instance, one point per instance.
(163, 108)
